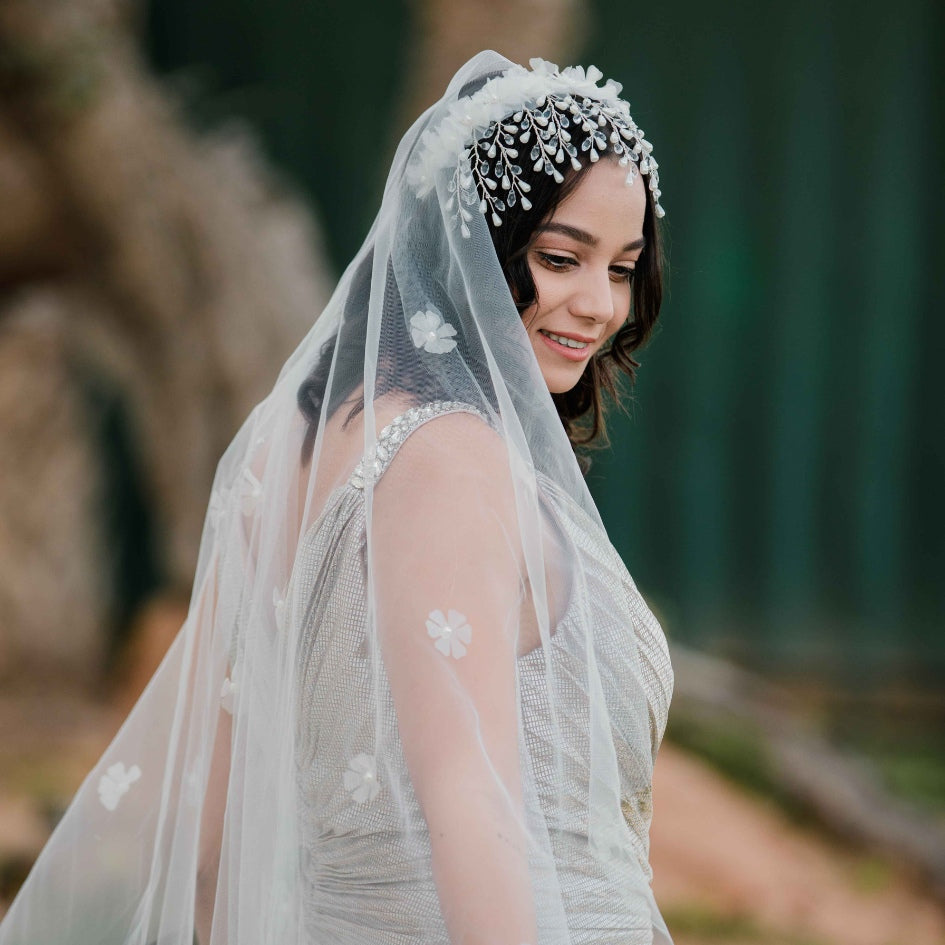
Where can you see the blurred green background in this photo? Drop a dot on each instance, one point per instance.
(777, 487)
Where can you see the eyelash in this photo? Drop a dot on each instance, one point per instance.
(560, 263)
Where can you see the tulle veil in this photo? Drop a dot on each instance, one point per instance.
(495, 720)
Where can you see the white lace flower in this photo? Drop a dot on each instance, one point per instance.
(228, 693)
(114, 784)
(451, 633)
(360, 780)
(192, 787)
(217, 507)
(250, 491)
(278, 605)
(430, 332)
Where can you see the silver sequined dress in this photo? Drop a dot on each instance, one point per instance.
(366, 880)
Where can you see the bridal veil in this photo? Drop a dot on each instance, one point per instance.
(416, 697)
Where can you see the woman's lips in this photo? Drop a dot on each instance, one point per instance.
(572, 354)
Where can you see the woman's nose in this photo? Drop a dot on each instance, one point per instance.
(593, 297)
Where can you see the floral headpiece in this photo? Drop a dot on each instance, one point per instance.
(481, 136)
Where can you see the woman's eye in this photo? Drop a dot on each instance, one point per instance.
(556, 262)
(623, 273)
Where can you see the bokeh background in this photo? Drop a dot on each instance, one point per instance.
(181, 184)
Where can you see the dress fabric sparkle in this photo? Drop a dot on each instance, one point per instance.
(364, 883)
(417, 697)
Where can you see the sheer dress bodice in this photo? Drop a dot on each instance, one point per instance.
(366, 879)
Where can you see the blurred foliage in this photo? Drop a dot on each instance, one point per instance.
(909, 756)
(738, 749)
(872, 874)
(702, 925)
(911, 761)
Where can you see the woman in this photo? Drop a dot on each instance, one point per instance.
(417, 697)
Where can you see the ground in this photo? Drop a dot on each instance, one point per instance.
(732, 867)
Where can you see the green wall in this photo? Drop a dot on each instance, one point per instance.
(781, 485)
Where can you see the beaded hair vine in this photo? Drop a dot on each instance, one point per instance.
(527, 115)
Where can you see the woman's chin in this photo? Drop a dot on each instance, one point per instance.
(560, 374)
(561, 381)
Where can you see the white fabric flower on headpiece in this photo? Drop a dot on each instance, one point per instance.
(452, 633)
(430, 332)
(114, 784)
(523, 116)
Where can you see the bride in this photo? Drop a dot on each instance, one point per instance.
(417, 697)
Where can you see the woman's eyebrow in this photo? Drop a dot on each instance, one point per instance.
(582, 236)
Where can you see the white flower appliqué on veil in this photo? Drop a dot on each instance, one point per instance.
(278, 606)
(228, 693)
(217, 508)
(250, 490)
(452, 633)
(360, 780)
(430, 332)
(114, 784)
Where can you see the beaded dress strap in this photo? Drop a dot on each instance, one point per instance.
(389, 440)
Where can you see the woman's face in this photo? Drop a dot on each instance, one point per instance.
(582, 261)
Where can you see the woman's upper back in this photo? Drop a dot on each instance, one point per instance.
(435, 459)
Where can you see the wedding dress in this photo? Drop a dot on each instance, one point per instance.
(366, 880)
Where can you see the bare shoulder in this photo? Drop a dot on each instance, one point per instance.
(445, 442)
(450, 484)
(453, 452)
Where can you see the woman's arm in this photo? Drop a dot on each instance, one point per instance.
(445, 556)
